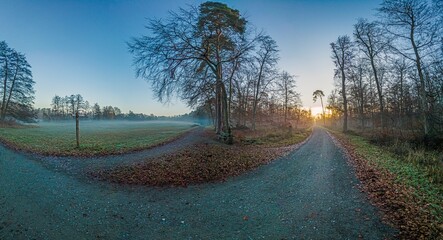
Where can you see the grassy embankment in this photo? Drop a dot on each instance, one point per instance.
(210, 161)
(406, 182)
(96, 137)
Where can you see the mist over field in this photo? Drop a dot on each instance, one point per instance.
(94, 137)
(97, 125)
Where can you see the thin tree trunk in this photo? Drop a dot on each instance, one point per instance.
(323, 110)
(234, 67)
(218, 109)
(400, 119)
(379, 92)
(77, 129)
(5, 81)
(422, 89)
(227, 127)
(12, 88)
(360, 93)
(256, 94)
(285, 107)
(345, 101)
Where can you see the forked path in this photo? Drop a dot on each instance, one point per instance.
(309, 194)
(80, 166)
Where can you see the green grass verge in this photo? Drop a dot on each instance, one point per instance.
(96, 137)
(409, 173)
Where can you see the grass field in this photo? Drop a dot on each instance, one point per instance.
(96, 137)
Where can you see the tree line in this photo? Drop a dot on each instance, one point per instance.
(390, 72)
(213, 58)
(16, 85)
(65, 108)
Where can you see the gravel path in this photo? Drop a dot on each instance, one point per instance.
(309, 194)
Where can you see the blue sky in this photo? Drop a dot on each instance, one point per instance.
(80, 46)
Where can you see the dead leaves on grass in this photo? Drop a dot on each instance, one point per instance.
(399, 204)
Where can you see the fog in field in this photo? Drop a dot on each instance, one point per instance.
(95, 125)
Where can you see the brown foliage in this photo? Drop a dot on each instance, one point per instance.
(197, 164)
(210, 160)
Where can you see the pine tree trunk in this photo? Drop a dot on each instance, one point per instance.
(323, 110)
(227, 127)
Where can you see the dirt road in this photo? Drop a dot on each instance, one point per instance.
(309, 194)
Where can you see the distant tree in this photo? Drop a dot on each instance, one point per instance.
(17, 85)
(400, 71)
(359, 87)
(192, 45)
(57, 106)
(319, 94)
(65, 106)
(96, 111)
(117, 112)
(131, 115)
(75, 103)
(108, 112)
(87, 108)
(342, 55)
(334, 105)
(44, 113)
(286, 88)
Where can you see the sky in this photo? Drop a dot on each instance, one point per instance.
(79, 46)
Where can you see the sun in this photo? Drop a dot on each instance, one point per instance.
(316, 111)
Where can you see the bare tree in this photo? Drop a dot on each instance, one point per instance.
(414, 25)
(243, 85)
(192, 44)
(108, 112)
(399, 72)
(286, 88)
(342, 55)
(75, 103)
(371, 41)
(57, 106)
(266, 60)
